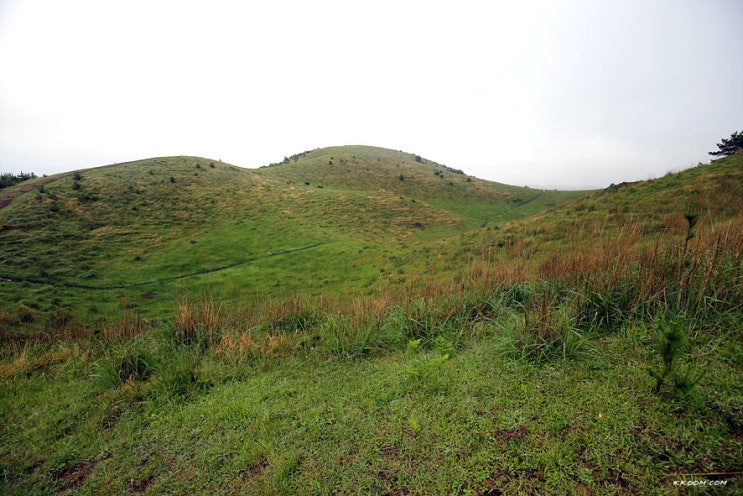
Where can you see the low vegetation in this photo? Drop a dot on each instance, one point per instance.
(7, 179)
(594, 348)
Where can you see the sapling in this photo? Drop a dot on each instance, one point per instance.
(692, 216)
(671, 343)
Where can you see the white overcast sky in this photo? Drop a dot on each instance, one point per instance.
(541, 93)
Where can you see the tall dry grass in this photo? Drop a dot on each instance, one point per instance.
(583, 285)
(197, 320)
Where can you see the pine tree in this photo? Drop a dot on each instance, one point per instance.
(730, 146)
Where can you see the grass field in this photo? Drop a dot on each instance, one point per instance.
(234, 331)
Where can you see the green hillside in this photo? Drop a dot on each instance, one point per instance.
(628, 217)
(349, 321)
(414, 178)
(146, 230)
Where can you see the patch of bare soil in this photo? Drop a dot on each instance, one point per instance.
(74, 476)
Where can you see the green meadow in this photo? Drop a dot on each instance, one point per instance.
(357, 320)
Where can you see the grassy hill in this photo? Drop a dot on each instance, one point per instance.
(414, 178)
(626, 218)
(357, 320)
(146, 230)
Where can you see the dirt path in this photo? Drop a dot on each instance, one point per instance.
(530, 199)
(9, 194)
(7, 197)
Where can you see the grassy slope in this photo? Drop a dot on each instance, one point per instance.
(629, 217)
(474, 423)
(344, 407)
(370, 169)
(119, 229)
(435, 421)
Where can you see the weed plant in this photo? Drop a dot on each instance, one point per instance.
(426, 370)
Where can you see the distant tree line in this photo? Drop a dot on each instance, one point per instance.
(7, 179)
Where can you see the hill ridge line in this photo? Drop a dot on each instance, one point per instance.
(7, 197)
